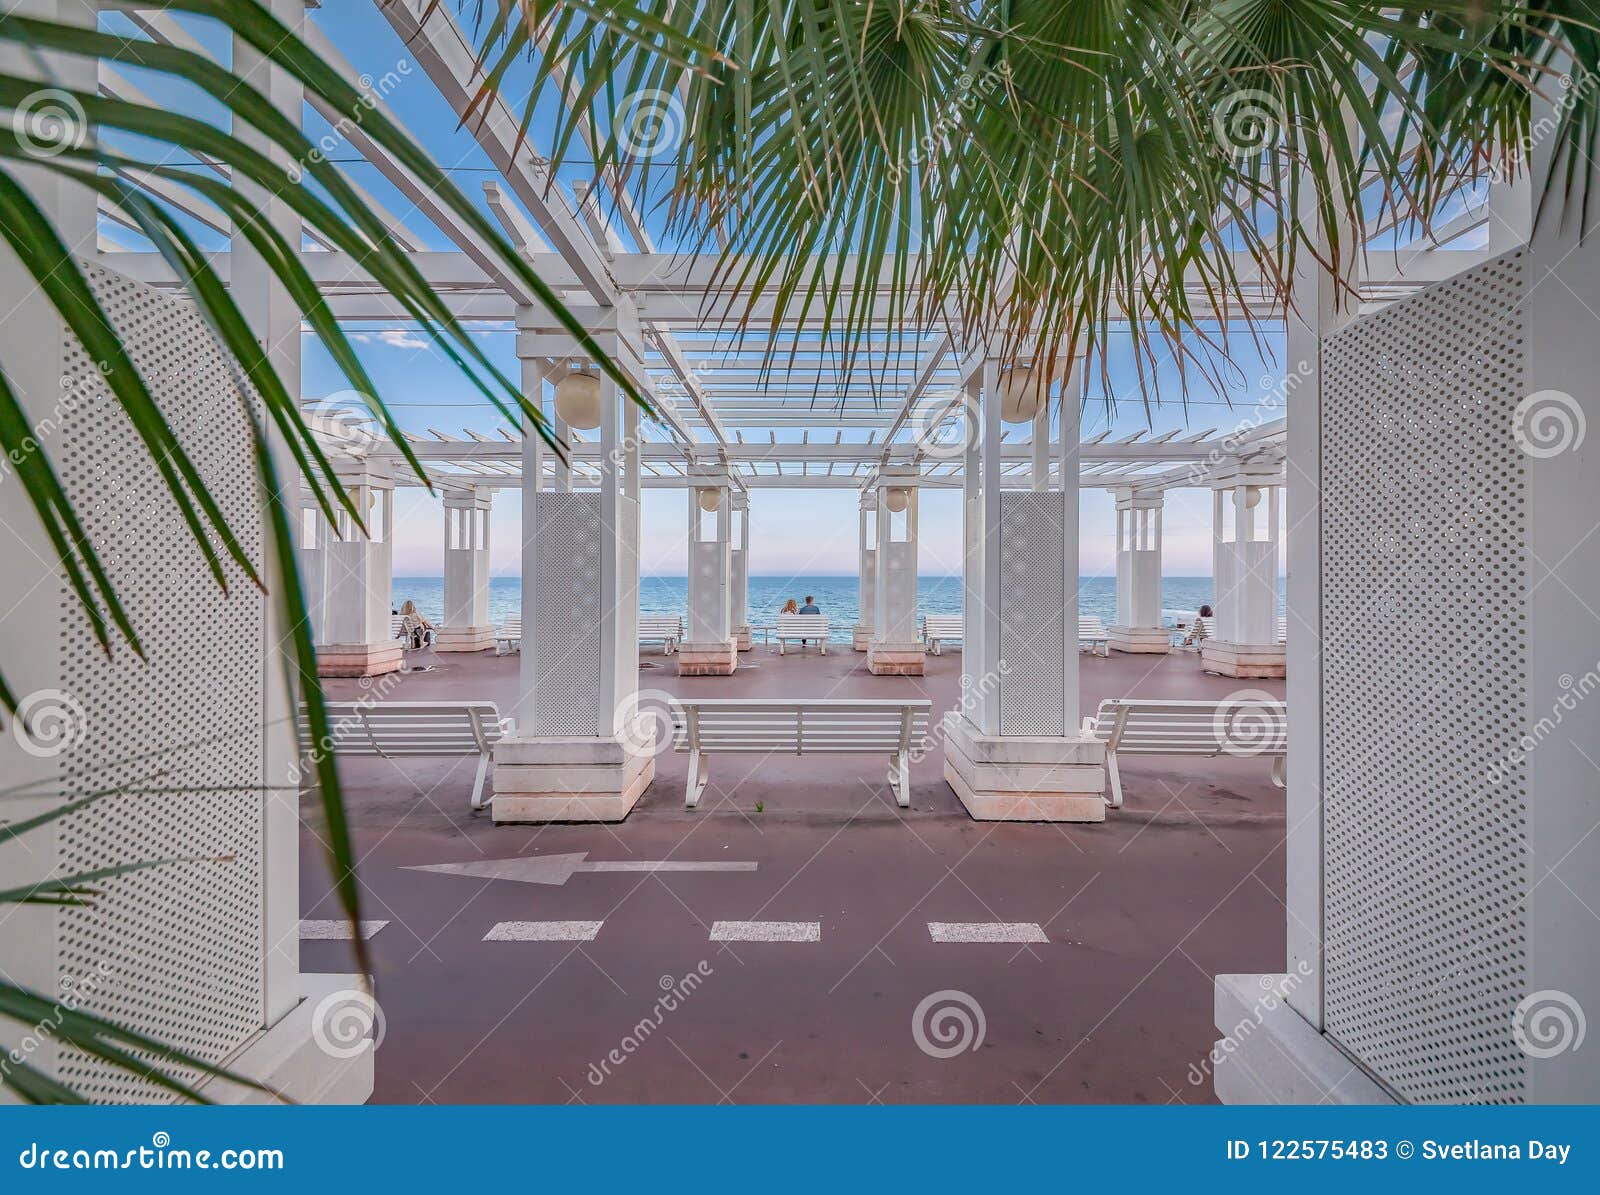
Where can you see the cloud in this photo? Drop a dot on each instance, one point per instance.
(395, 338)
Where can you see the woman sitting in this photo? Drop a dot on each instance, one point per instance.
(415, 628)
(1198, 630)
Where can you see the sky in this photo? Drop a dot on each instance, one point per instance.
(794, 532)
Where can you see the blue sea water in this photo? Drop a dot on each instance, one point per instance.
(1180, 597)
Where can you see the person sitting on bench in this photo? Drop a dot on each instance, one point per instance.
(810, 607)
(414, 625)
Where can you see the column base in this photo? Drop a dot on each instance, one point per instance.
(568, 779)
(860, 637)
(1263, 661)
(1015, 778)
(741, 637)
(291, 1059)
(1270, 1054)
(708, 659)
(1141, 640)
(358, 659)
(464, 638)
(896, 659)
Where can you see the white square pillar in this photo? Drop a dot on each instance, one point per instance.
(895, 647)
(352, 569)
(1138, 626)
(709, 648)
(866, 571)
(1013, 750)
(741, 570)
(466, 571)
(1246, 517)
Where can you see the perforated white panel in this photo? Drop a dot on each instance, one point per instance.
(566, 619)
(1423, 701)
(174, 950)
(1032, 613)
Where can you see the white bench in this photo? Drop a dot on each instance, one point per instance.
(665, 629)
(1209, 728)
(1092, 635)
(800, 726)
(939, 629)
(1206, 625)
(1283, 630)
(508, 635)
(792, 627)
(394, 728)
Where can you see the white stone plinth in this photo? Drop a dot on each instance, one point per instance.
(464, 638)
(897, 659)
(568, 779)
(708, 659)
(1141, 640)
(358, 659)
(741, 637)
(1244, 660)
(861, 637)
(1024, 778)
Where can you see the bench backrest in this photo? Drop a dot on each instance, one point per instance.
(802, 626)
(512, 623)
(660, 626)
(408, 727)
(1283, 629)
(1132, 727)
(799, 725)
(942, 626)
(396, 625)
(1090, 627)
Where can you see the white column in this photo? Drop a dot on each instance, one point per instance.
(709, 648)
(1014, 749)
(1246, 517)
(740, 616)
(577, 753)
(896, 648)
(1138, 626)
(466, 571)
(866, 570)
(353, 570)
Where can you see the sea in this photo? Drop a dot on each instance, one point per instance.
(1181, 597)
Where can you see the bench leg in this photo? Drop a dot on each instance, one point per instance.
(1116, 780)
(698, 778)
(1279, 778)
(900, 779)
(780, 647)
(478, 799)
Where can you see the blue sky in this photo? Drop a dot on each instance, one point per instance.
(793, 532)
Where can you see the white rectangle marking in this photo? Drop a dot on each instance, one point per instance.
(544, 931)
(336, 931)
(766, 931)
(986, 931)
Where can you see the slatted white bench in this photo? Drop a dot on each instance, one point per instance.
(1209, 728)
(800, 726)
(508, 635)
(1283, 630)
(939, 629)
(396, 728)
(800, 627)
(665, 629)
(1208, 630)
(1092, 635)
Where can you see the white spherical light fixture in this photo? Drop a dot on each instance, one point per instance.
(710, 499)
(1024, 392)
(578, 400)
(1252, 497)
(897, 499)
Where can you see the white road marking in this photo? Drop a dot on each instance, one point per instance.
(766, 931)
(336, 931)
(986, 931)
(544, 931)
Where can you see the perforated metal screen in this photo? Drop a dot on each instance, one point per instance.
(175, 950)
(1032, 613)
(1423, 646)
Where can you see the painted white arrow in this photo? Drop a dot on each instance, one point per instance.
(558, 869)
